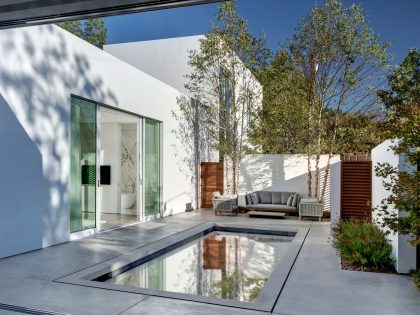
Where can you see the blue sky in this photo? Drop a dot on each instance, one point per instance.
(396, 21)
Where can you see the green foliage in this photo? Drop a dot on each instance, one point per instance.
(402, 105)
(363, 244)
(237, 284)
(415, 277)
(343, 64)
(91, 30)
(356, 132)
(280, 123)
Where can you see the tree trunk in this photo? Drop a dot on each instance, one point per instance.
(325, 180)
(234, 189)
(318, 152)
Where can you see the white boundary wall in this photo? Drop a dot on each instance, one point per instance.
(40, 67)
(335, 184)
(281, 172)
(403, 252)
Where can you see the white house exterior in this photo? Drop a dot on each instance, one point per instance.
(168, 60)
(165, 59)
(45, 73)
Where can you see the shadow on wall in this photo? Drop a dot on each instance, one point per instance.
(36, 80)
(277, 172)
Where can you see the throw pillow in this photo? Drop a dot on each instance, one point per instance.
(295, 200)
(285, 197)
(265, 197)
(290, 200)
(248, 199)
(254, 199)
(276, 197)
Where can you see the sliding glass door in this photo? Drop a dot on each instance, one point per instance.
(152, 185)
(82, 165)
(111, 138)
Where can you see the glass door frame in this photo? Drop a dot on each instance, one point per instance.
(140, 145)
(92, 230)
(140, 167)
(161, 209)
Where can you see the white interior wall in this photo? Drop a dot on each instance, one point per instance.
(110, 154)
(403, 252)
(279, 172)
(40, 67)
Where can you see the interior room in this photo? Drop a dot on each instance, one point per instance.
(119, 157)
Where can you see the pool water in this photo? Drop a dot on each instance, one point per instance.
(226, 265)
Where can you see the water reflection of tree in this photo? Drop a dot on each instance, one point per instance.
(236, 267)
(238, 286)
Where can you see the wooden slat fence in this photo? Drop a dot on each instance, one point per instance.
(211, 181)
(356, 189)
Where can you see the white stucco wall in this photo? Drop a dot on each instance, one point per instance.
(403, 252)
(335, 192)
(39, 68)
(280, 172)
(165, 59)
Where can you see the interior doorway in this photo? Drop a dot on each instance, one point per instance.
(119, 198)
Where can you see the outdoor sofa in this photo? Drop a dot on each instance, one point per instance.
(273, 201)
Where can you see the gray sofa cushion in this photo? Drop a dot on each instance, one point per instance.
(248, 199)
(295, 200)
(254, 199)
(285, 196)
(272, 207)
(290, 200)
(276, 197)
(265, 197)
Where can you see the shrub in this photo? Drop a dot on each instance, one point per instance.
(361, 243)
(415, 277)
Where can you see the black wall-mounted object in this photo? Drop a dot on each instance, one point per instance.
(88, 175)
(31, 12)
(105, 177)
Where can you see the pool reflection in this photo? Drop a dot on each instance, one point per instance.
(233, 266)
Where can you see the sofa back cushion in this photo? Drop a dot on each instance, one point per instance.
(265, 197)
(254, 199)
(248, 199)
(295, 200)
(289, 201)
(276, 197)
(285, 196)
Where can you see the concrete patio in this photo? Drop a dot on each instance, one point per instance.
(316, 284)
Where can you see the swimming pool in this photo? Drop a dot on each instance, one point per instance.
(211, 263)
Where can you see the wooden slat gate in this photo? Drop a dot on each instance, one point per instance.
(356, 189)
(211, 181)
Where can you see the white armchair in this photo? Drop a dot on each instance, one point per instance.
(311, 208)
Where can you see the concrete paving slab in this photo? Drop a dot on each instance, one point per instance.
(317, 285)
(64, 298)
(154, 305)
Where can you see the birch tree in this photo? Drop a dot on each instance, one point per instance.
(344, 65)
(223, 81)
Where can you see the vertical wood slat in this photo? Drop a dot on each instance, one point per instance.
(356, 189)
(211, 181)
